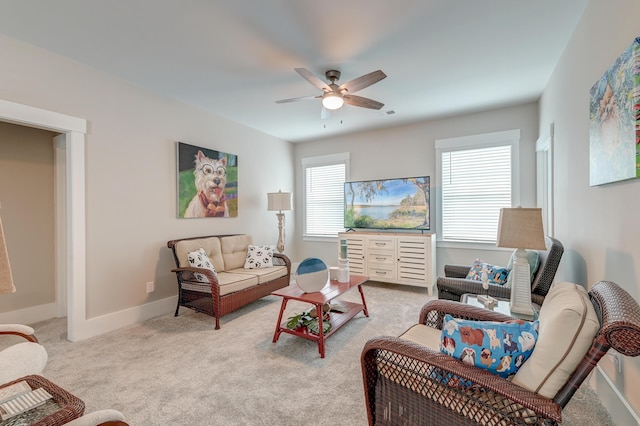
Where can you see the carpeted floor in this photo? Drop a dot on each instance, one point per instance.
(180, 371)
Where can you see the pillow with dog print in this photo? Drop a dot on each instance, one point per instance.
(259, 257)
(199, 259)
(495, 274)
(500, 347)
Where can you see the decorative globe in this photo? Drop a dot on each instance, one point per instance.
(312, 275)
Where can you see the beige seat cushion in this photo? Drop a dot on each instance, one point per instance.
(264, 274)
(568, 325)
(424, 335)
(234, 250)
(230, 283)
(210, 245)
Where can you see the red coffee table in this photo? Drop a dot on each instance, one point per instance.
(318, 299)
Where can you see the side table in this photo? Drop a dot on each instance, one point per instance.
(503, 306)
(61, 409)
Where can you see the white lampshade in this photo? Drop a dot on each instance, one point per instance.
(279, 201)
(521, 228)
(332, 101)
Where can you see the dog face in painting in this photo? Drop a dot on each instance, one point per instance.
(210, 181)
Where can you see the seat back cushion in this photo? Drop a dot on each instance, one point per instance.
(234, 250)
(211, 246)
(568, 325)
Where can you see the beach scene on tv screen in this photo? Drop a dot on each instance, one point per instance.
(401, 203)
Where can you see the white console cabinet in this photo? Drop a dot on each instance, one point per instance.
(399, 258)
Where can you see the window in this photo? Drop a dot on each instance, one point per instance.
(478, 177)
(324, 179)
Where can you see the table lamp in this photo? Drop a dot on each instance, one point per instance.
(279, 201)
(521, 228)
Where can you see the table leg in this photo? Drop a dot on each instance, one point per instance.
(320, 314)
(364, 304)
(276, 335)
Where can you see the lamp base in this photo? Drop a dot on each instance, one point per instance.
(521, 285)
(280, 245)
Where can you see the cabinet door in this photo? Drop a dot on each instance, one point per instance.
(355, 253)
(414, 256)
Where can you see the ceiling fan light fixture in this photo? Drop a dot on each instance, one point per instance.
(332, 101)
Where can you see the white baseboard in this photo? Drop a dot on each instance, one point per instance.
(616, 404)
(30, 315)
(113, 321)
(94, 326)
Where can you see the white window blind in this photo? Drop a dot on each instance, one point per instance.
(476, 184)
(324, 198)
(478, 175)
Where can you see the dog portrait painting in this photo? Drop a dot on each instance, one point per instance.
(207, 182)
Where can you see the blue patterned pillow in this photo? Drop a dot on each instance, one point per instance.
(495, 274)
(500, 347)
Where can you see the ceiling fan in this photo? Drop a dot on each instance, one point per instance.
(335, 96)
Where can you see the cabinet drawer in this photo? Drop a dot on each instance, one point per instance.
(381, 257)
(381, 272)
(381, 243)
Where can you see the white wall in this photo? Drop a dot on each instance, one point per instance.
(598, 225)
(409, 150)
(131, 172)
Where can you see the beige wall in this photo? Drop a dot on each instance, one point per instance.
(26, 195)
(598, 225)
(409, 150)
(130, 172)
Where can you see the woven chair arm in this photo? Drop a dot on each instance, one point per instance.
(460, 286)
(475, 386)
(23, 331)
(282, 259)
(213, 279)
(456, 271)
(433, 312)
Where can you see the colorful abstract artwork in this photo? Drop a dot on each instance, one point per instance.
(614, 124)
(207, 182)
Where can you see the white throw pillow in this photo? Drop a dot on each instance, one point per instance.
(259, 257)
(568, 325)
(199, 259)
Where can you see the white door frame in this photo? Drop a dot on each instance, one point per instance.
(71, 267)
(544, 179)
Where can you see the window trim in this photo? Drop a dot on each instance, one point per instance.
(316, 161)
(484, 140)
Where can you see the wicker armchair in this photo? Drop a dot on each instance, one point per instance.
(453, 285)
(400, 388)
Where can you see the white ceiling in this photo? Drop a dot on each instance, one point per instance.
(236, 57)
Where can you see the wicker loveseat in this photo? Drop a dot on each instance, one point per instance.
(408, 380)
(231, 286)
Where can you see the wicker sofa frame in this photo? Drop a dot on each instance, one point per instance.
(407, 398)
(453, 285)
(215, 304)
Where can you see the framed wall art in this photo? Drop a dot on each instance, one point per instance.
(207, 182)
(614, 121)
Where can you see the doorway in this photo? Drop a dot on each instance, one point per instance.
(70, 263)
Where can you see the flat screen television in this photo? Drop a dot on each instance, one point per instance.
(400, 203)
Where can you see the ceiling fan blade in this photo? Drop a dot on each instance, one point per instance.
(359, 101)
(313, 79)
(362, 81)
(301, 98)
